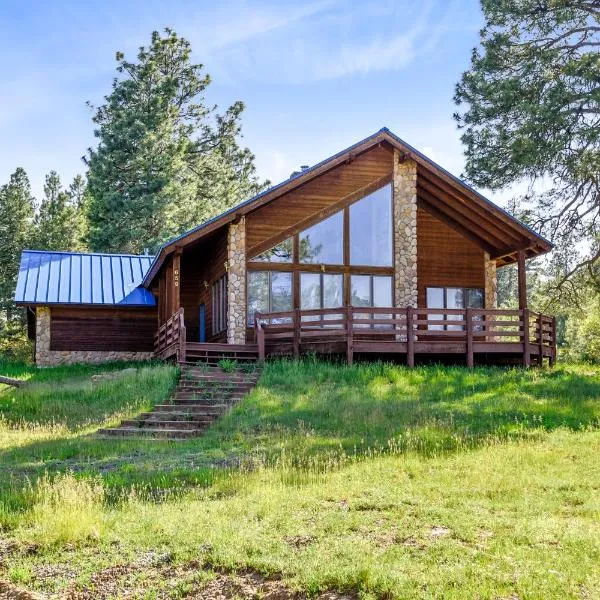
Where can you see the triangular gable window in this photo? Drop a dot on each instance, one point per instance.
(282, 253)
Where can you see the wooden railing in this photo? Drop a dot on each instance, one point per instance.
(170, 338)
(411, 330)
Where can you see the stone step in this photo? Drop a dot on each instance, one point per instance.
(195, 408)
(213, 409)
(198, 416)
(203, 376)
(174, 425)
(157, 432)
(207, 399)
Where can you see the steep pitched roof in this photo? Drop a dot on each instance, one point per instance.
(468, 210)
(78, 278)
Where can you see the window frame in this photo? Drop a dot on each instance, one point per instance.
(219, 305)
(269, 273)
(446, 317)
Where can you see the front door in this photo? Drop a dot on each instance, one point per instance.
(202, 321)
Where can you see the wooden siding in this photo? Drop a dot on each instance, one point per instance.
(269, 221)
(204, 262)
(445, 258)
(102, 329)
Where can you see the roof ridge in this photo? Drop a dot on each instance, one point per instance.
(79, 253)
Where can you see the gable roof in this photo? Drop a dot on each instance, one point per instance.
(478, 218)
(79, 278)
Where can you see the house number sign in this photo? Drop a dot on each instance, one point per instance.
(176, 277)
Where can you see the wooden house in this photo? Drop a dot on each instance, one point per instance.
(377, 249)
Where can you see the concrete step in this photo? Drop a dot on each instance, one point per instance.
(191, 407)
(208, 376)
(207, 398)
(157, 432)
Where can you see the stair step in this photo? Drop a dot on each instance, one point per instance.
(201, 375)
(213, 409)
(178, 416)
(196, 408)
(175, 425)
(150, 432)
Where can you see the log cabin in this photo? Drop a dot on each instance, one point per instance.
(376, 250)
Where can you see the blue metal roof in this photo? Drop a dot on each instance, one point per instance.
(48, 277)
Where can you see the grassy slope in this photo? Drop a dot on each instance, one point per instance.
(433, 482)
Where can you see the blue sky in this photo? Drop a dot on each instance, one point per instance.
(316, 76)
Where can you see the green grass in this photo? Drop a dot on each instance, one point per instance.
(435, 482)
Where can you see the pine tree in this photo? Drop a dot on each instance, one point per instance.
(59, 221)
(165, 160)
(16, 224)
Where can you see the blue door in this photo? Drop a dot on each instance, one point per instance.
(202, 323)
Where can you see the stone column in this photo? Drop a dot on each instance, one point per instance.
(236, 282)
(42, 336)
(405, 231)
(491, 282)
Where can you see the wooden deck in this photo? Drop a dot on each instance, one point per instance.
(477, 335)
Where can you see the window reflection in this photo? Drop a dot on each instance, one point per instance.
(323, 243)
(371, 229)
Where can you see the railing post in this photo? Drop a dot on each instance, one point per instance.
(410, 338)
(296, 342)
(553, 343)
(182, 338)
(541, 339)
(526, 344)
(469, 328)
(260, 337)
(349, 334)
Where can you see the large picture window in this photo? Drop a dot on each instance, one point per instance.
(451, 297)
(282, 253)
(371, 229)
(320, 290)
(372, 291)
(268, 291)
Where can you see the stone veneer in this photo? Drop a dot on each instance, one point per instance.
(236, 282)
(405, 231)
(491, 282)
(44, 357)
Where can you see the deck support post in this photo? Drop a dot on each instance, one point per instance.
(349, 335)
(297, 333)
(526, 342)
(553, 343)
(410, 338)
(469, 328)
(175, 283)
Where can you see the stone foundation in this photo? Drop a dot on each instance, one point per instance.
(405, 231)
(236, 282)
(491, 282)
(44, 357)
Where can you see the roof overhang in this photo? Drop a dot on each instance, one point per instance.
(440, 192)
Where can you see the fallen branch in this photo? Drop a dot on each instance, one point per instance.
(11, 381)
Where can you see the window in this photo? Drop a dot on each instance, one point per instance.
(268, 291)
(371, 229)
(282, 253)
(320, 290)
(452, 298)
(219, 305)
(371, 290)
(323, 243)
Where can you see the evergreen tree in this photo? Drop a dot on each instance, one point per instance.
(59, 222)
(531, 104)
(16, 222)
(165, 160)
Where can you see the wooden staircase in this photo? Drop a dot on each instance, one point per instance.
(203, 394)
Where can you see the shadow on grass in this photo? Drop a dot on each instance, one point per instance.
(312, 409)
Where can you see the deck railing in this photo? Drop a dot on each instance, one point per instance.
(170, 338)
(410, 330)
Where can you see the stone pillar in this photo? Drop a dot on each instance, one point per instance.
(491, 282)
(405, 231)
(236, 282)
(42, 336)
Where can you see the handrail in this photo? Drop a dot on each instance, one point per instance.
(170, 338)
(410, 326)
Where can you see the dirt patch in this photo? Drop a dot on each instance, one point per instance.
(10, 592)
(191, 580)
